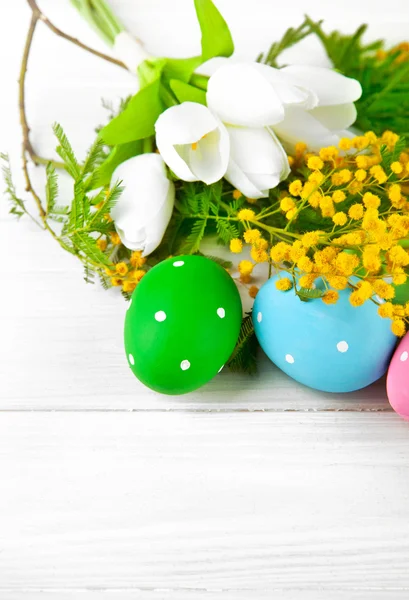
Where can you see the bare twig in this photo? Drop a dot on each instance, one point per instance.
(37, 15)
(27, 147)
(41, 17)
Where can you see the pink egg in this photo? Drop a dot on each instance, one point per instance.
(397, 383)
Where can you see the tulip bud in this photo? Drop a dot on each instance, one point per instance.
(145, 207)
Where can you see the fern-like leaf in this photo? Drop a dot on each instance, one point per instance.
(98, 220)
(18, 207)
(226, 264)
(88, 246)
(66, 152)
(51, 189)
(290, 38)
(226, 230)
(94, 158)
(192, 243)
(388, 156)
(243, 358)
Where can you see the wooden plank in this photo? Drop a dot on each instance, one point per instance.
(160, 594)
(250, 502)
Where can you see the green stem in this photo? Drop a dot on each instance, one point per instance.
(200, 81)
(100, 16)
(272, 230)
(147, 145)
(168, 98)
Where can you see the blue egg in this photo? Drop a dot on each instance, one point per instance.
(332, 348)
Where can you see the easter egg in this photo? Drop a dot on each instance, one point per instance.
(397, 382)
(332, 348)
(182, 324)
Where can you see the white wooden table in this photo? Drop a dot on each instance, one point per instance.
(249, 489)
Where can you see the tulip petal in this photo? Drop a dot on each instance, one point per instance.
(255, 150)
(156, 228)
(209, 160)
(285, 168)
(258, 162)
(241, 181)
(133, 240)
(265, 182)
(144, 208)
(301, 126)
(329, 86)
(336, 117)
(185, 123)
(175, 157)
(287, 88)
(240, 95)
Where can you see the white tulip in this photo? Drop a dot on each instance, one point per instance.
(145, 207)
(302, 103)
(257, 161)
(193, 142)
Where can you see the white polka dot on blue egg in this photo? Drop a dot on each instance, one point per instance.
(332, 348)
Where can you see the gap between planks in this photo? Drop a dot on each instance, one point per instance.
(201, 410)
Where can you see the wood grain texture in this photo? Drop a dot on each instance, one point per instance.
(257, 503)
(167, 594)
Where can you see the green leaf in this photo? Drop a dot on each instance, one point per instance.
(18, 207)
(138, 119)
(388, 157)
(88, 246)
(227, 231)
(66, 152)
(216, 36)
(243, 358)
(290, 38)
(187, 93)
(226, 264)
(151, 70)
(310, 294)
(192, 242)
(181, 68)
(51, 189)
(118, 155)
(401, 293)
(172, 238)
(94, 157)
(97, 221)
(77, 213)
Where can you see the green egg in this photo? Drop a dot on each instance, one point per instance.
(182, 324)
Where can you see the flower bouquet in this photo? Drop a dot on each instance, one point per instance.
(301, 169)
